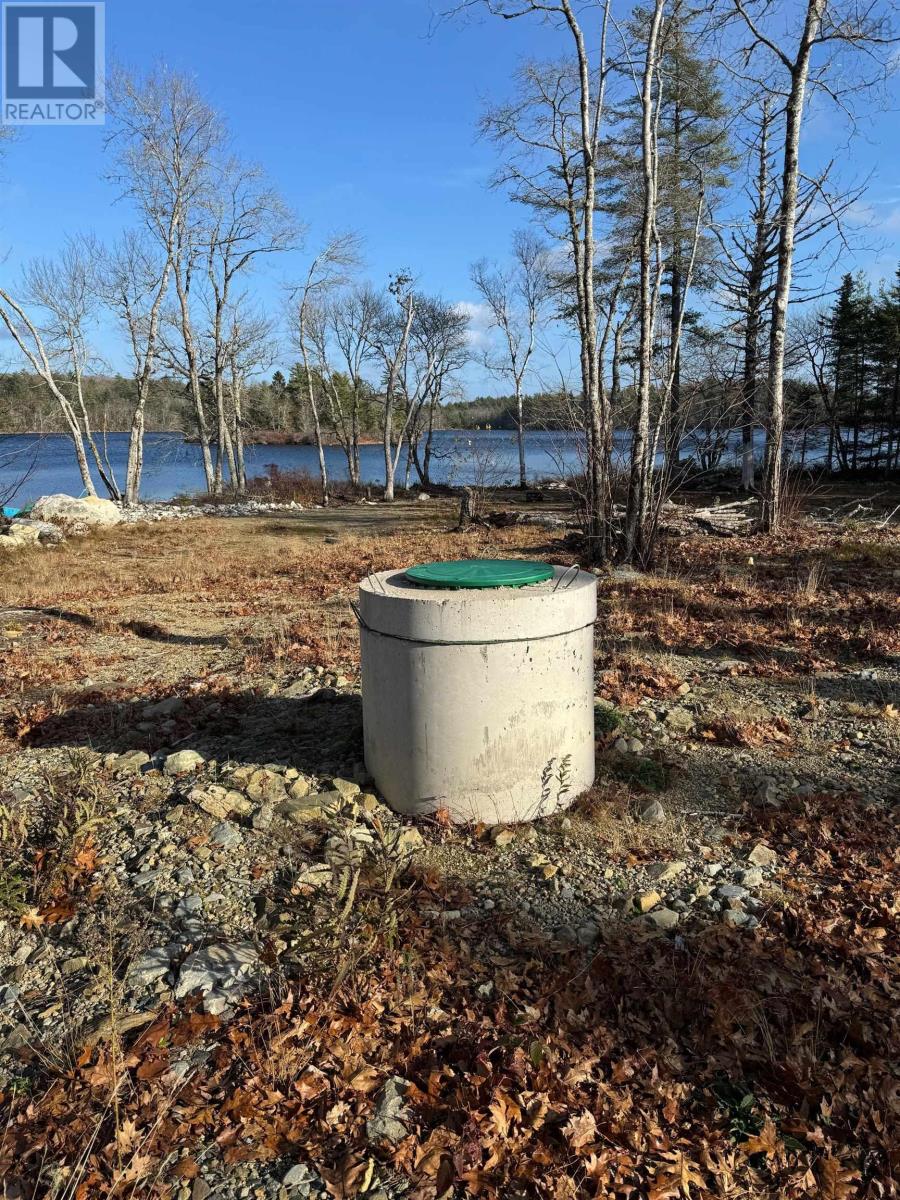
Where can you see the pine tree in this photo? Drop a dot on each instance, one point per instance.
(851, 335)
(693, 160)
(886, 358)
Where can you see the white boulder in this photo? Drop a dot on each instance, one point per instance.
(70, 510)
(19, 536)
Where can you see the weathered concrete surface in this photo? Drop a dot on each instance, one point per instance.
(480, 702)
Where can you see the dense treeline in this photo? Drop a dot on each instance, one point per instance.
(858, 372)
(26, 405)
(842, 399)
(540, 410)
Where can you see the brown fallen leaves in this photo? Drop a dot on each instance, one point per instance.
(729, 731)
(723, 1064)
(711, 598)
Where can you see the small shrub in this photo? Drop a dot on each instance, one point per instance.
(607, 718)
(283, 486)
(13, 892)
(645, 773)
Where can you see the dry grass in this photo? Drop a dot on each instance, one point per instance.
(608, 814)
(154, 610)
(811, 579)
(274, 587)
(227, 555)
(181, 600)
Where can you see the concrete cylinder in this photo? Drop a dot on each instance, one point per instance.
(479, 701)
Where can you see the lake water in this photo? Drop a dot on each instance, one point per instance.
(33, 466)
(174, 467)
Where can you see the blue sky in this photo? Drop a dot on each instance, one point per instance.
(364, 121)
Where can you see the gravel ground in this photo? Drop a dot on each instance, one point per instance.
(221, 821)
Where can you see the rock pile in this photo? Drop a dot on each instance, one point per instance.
(55, 517)
(185, 512)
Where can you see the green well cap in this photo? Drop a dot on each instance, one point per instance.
(480, 573)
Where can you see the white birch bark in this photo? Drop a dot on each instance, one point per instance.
(15, 319)
(638, 498)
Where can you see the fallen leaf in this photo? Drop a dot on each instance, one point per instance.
(127, 1136)
(580, 1131)
(185, 1168)
(676, 1180)
(365, 1080)
(764, 1142)
(836, 1180)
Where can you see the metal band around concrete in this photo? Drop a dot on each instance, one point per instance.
(397, 637)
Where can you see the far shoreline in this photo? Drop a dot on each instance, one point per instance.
(265, 437)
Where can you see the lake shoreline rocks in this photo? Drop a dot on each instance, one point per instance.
(53, 518)
(173, 510)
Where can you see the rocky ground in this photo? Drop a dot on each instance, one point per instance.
(150, 512)
(50, 524)
(189, 829)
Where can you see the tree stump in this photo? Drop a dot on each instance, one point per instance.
(466, 508)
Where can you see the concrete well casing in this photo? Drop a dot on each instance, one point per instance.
(480, 701)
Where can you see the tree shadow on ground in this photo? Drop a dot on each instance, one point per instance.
(317, 734)
(143, 629)
(320, 733)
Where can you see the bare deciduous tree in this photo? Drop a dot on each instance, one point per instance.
(65, 291)
(516, 299)
(349, 318)
(807, 59)
(250, 348)
(27, 336)
(247, 220)
(167, 141)
(438, 349)
(132, 279)
(551, 134)
(327, 271)
(389, 340)
(641, 451)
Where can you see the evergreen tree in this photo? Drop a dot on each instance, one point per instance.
(851, 332)
(693, 160)
(886, 356)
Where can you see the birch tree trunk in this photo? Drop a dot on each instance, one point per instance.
(755, 280)
(574, 200)
(38, 358)
(426, 458)
(104, 470)
(136, 439)
(771, 514)
(393, 372)
(594, 397)
(353, 462)
(676, 304)
(135, 453)
(314, 410)
(520, 430)
(238, 434)
(190, 354)
(638, 498)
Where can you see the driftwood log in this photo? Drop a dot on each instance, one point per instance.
(717, 520)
